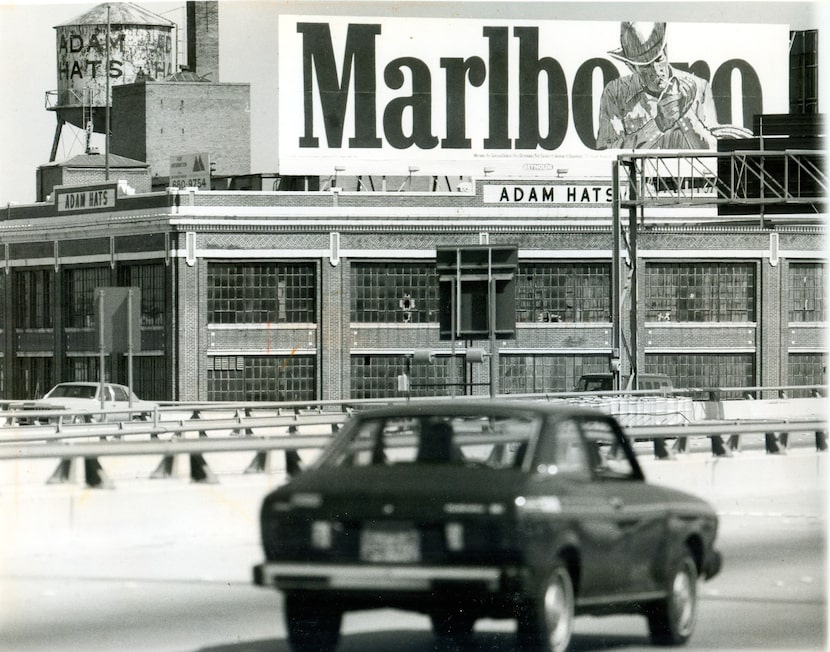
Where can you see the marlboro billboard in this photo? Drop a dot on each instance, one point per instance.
(463, 96)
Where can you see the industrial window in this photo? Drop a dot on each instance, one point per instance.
(807, 292)
(79, 294)
(699, 292)
(260, 293)
(806, 369)
(563, 292)
(804, 90)
(35, 376)
(84, 368)
(262, 378)
(32, 296)
(397, 292)
(149, 278)
(705, 370)
(376, 376)
(150, 377)
(532, 374)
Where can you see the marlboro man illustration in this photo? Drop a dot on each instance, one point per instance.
(657, 106)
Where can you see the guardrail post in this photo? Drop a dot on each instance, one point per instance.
(199, 470)
(262, 459)
(166, 468)
(660, 450)
(63, 472)
(95, 476)
(293, 463)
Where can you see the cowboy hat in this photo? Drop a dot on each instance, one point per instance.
(642, 43)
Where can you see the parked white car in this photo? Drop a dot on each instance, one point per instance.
(85, 399)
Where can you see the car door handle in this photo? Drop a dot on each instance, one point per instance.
(616, 502)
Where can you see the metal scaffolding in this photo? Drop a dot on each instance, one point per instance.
(753, 179)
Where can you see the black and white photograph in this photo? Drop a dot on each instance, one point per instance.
(414, 326)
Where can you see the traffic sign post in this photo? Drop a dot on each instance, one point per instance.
(119, 327)
(477, 296)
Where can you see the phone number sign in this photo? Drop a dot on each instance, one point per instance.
(190, 171)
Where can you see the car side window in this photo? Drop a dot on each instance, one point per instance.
(120, 394)
(570, 451)
(608, 458)
(563, 451)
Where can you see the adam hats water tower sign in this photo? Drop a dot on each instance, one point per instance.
(190, 171)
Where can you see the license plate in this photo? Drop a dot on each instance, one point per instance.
(390, 546)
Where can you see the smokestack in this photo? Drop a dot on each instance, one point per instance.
(203, 39)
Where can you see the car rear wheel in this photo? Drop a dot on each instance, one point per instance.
(671, 621)
(313, 626)
(453, 629)
(546, 621)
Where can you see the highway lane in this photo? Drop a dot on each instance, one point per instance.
(771, 596)
(186, 588)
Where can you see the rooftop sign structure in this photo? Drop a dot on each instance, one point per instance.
(471, 97)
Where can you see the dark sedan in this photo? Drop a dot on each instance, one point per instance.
(466, 510)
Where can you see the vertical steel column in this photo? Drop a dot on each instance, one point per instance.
(491, 297)
(632, 248)
(616, 275)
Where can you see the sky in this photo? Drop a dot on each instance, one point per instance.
(247, 54)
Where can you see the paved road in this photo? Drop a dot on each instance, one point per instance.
(183, 586)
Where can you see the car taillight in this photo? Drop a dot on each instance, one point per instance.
(454, 536)
(321, 535)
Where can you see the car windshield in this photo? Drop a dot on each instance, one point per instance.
(72, 391)
(495, 441)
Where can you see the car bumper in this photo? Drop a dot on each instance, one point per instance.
(352, 577)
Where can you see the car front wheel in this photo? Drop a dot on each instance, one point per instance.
(671, 621)
(312, 626)
(546, 621)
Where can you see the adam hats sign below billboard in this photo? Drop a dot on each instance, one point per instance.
(458, 96)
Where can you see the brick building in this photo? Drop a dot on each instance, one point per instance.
(328, 294)
(301, 288)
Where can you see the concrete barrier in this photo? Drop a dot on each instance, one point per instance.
(748, 473)
(776, 408)
(42, 519)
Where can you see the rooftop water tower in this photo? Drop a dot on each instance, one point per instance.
(110, 45)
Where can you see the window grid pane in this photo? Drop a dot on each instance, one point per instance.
(149, 278)
(34, 289)
(563, 292)
(259, 293)
(705, 370)
(700, 292)
(807, 292)
(37, 376)
(376, 376)
(79, 294)
(263, 378)
(398, 292)
(529, 374)
(806, 369)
